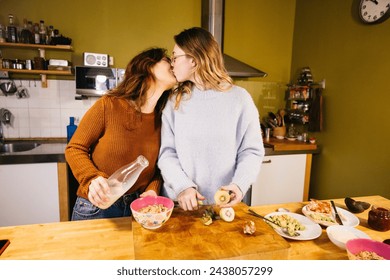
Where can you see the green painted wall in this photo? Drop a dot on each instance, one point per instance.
(122, 28)
(353, 58)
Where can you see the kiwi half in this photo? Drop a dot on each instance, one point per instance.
(222, 197)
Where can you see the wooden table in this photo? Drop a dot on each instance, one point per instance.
(113, 238)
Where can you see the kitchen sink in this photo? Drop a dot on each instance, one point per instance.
(18, 147)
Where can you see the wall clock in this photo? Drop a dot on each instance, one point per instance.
(374, 11)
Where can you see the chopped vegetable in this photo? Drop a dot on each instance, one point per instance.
(249, 227)
(287, 222)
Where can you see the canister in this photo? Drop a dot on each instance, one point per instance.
(6, 63)
(28, 64)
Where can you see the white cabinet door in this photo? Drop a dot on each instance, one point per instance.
(281, 179)
(28, 194)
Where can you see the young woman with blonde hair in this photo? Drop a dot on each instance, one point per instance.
(210, 135)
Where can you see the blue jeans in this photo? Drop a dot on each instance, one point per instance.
(84, 210)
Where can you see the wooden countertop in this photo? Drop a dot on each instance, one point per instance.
(106, 239)
(287, 145)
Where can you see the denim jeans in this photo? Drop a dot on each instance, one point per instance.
(84, 210)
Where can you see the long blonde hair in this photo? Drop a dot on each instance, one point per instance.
(201, 45)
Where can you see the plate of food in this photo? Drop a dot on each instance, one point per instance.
(321, 212)
(293, 222)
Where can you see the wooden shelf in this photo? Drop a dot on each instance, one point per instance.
(42, 52)
(37, 46)
(41, 72)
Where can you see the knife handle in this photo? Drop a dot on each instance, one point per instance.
(338, 219)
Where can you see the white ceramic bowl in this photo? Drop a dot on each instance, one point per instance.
(339, 235)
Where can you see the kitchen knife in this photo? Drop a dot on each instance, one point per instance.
(338, 219)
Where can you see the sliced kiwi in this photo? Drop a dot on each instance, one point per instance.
(227, 214)
(222, 197)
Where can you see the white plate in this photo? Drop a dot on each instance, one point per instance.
(312, 230)
(339, 235)
(347, 217)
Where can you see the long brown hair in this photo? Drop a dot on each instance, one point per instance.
(138, 79)
(201, 45)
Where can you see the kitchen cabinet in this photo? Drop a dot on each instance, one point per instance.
(42, 53)
(282, 179)
(29, 194)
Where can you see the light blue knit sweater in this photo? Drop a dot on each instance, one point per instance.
(213, 139)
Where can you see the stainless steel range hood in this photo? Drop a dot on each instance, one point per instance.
(213, 21)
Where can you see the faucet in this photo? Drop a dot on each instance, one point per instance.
(5, 117)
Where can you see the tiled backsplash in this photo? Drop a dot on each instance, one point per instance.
(45, 113)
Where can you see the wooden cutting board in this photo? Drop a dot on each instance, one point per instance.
(184, 237)
(287, 145)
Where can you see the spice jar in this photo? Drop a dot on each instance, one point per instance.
(379, 218)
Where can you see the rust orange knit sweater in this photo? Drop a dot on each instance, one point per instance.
(110, 135)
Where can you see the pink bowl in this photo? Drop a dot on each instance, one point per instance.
(151, 220)
(355, 246)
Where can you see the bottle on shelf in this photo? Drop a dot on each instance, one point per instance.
(36, 34)
(42, 32)
(26, 36)
(3, 36)
(50, 34)
(12, 31)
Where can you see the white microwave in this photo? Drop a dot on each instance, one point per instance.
(95, 81)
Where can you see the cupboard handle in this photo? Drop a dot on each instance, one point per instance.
(266, 161)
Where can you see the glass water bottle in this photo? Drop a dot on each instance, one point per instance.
(124, 178)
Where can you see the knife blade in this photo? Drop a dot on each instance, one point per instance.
(338, 219)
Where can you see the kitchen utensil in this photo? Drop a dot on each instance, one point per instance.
(22, 92)
(268, 220)
(338, 219)
(273, 118)
(8, 87)
(282, 113)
